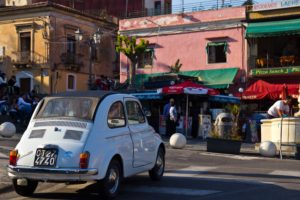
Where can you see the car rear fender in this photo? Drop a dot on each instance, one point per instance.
(106, 161)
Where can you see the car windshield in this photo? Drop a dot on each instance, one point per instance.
(82, 108)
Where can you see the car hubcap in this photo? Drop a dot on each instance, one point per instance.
(159, 164)
(113, 180)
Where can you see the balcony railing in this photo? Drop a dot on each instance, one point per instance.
(72, 61)
(268, 61)
(28, 59)
(186, 8)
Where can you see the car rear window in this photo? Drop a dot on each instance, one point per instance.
(82, 108)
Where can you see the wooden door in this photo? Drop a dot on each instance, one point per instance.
(25, 85)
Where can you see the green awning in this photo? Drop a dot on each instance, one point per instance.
(274, 28)
(215, 78)
(215, 44)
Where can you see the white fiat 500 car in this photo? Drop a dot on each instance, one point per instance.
(86, 136)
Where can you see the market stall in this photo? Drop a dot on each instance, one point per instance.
(187, 88)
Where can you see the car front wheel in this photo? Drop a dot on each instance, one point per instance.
(157, 171)
(26, 189)
(110, 185)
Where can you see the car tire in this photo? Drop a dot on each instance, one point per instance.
(110, 185)
(25, 190)
(157, 172)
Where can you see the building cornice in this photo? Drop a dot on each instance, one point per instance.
(177, 29)
(7, 12)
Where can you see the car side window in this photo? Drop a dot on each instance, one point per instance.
(134, 113)
(116, 115)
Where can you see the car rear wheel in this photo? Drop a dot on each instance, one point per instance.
(26, 189)
(110, 185)
(157, 171)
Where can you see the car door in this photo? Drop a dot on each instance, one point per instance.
(142, 135)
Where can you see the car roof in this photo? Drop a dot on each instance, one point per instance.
(91, 93)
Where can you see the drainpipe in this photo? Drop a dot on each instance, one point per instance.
(243, 51)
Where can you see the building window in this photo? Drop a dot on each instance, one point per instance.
(157, 7)
(168, 7)
(71, 44)
(147, 59)
(25, 41)
(71, 82)
(216, 52)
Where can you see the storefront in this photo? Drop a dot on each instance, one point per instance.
(273, 36)
(194, 103)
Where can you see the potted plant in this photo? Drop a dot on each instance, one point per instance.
(231, 144)
(224, 136)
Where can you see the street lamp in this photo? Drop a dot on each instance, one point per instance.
(91, 41)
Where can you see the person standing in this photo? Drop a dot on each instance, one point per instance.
(280, 108)
(166, 114)
(167, 117)
(173, 118)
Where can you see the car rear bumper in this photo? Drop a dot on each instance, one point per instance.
(49, 174)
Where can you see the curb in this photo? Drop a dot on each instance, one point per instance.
(6, 189)
(16, 137)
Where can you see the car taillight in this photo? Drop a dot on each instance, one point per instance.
(13, 156)
(84, 160)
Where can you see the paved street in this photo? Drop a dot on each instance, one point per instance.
(192, 173)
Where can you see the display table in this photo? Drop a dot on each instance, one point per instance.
(271, 128)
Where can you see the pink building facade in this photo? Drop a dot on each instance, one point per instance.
(204, 40)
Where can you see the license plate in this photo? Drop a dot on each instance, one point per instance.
(45, 157)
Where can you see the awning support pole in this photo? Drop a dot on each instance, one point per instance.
(186, 115)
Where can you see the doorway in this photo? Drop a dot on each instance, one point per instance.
(25, 85)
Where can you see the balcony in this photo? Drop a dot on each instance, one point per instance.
(27, 59)
(272, 65)
(72, 61)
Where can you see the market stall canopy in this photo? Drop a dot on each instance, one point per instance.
(225, 99)
(273, 28)
(263, 90)
(188, 87)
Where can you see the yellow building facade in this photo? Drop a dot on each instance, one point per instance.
(38, 46)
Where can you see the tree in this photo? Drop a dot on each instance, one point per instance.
(175, 68)
(134, 51)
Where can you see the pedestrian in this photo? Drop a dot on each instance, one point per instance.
(24, 108)
(173, 118)
(280, 108)
(166, 114)
(11, 84)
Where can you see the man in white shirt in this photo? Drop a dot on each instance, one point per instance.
(280, 108)
(173, 117)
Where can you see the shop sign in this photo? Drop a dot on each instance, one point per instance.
(276, 5)
(275, 71)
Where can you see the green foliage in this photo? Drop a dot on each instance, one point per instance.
(175, 68)
(133, 51)
(233, 135)
(130, 47)
(234, 109)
